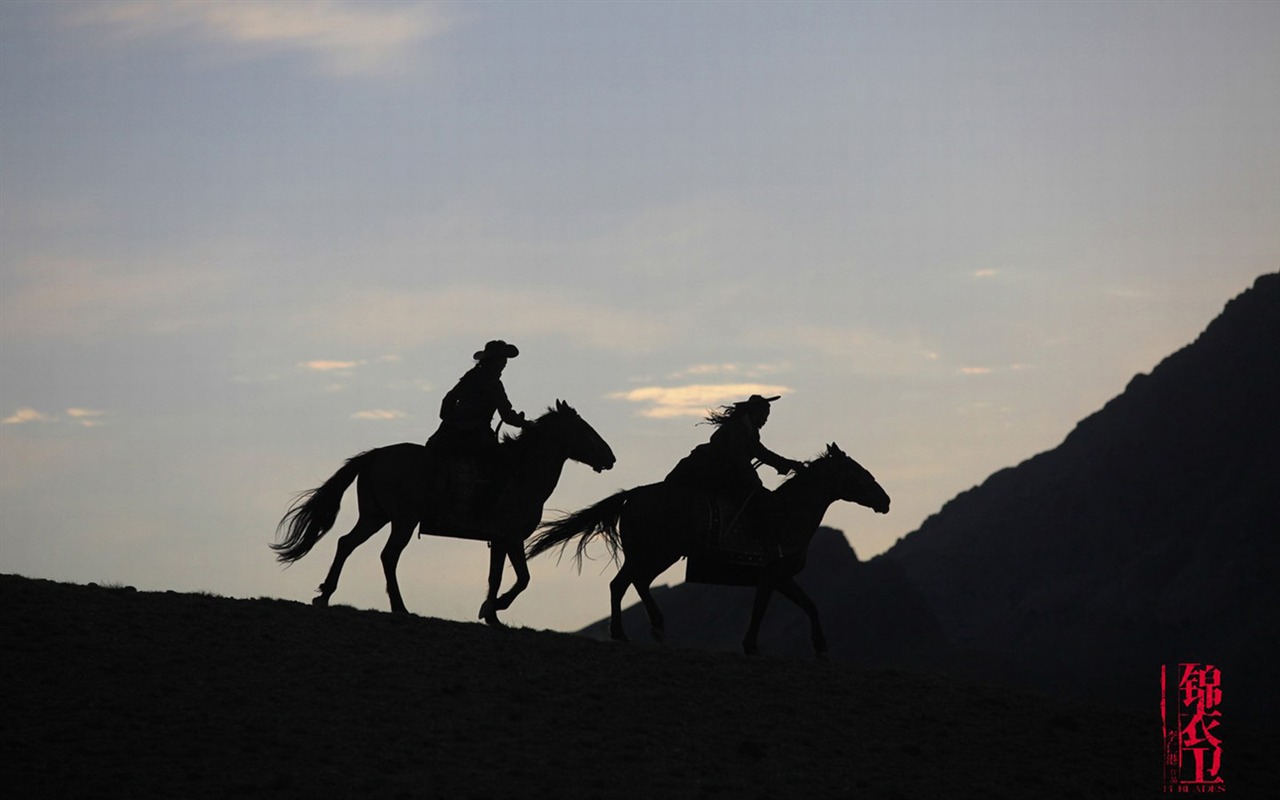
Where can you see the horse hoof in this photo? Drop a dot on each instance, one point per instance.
(659, 635)
(320, 602)
(822, 655)
(486, 611)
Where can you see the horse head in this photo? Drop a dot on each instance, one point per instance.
(580, 440)
(852, 481)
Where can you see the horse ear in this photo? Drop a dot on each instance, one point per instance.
(835, 449)
(560, 405)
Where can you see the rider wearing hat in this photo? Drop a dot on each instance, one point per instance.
(466, 437)
(466, 413)
(725, 465)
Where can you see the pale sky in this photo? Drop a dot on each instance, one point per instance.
(241, 242)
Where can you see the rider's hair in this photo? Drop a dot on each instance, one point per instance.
(725, 414)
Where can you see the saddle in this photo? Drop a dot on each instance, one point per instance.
(463, 492)
(730, 549)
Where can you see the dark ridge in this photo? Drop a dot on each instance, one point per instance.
(115, 692)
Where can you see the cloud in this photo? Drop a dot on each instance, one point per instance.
(85, 417)
(343, 38)
(330, 366)
(85, 300)
(381, 414)
(740, 370)
(25, 415)
(693, 400)
(864, 352)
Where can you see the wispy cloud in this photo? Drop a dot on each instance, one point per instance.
(342, 38)
(330, 366)
(78, 300)
(25, 415)
(736, 370)
(85, 417)
(693, 400)
(864, 352)
(380, 414)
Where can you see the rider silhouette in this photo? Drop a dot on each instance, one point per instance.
(724, 466)
(466, 434)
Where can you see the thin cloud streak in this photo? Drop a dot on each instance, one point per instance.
(79, 300)
(85, 417)
(25, 415)
(662, 402)
(379, 414)
(345, 39)
(330, 366)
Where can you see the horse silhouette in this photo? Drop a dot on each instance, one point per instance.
(396, 486)
(657, 524)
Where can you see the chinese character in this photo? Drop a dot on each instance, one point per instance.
(1193, 752)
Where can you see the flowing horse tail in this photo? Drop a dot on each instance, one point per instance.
(313, 513)
(600, 519)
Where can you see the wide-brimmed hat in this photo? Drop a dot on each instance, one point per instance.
(497, 349)
(756, 400)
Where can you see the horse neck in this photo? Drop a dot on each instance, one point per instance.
(537, 466)
(806, 501)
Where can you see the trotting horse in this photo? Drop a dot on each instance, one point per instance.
(657, 524)
(394, 486)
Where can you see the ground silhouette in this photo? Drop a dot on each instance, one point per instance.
(115, 692)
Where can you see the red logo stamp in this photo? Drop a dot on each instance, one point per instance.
(1190, 717)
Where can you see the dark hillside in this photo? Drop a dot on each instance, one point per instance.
(1152, 533)
(110, 692)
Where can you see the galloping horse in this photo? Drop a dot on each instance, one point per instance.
(394, 486)
(657, 524)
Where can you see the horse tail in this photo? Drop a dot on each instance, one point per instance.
(600, 520)
(313, 513)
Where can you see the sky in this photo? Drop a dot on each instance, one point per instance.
(240, 243)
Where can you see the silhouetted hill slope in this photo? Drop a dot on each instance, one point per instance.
(110, 692)
(1151, 533)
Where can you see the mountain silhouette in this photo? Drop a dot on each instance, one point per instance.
(1150, 535)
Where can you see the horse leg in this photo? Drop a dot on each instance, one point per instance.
(764, 592)
(791, 590)
(401, 533)
(618, 588)
(364, 528)
(657, 626)
(519, 564)
(489, 609)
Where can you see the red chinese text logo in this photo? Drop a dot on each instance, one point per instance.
(1190, 714)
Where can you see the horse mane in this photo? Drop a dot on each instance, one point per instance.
(529, 434)
(829, 453)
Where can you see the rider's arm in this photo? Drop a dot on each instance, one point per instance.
(780, 463)
(506, 412)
